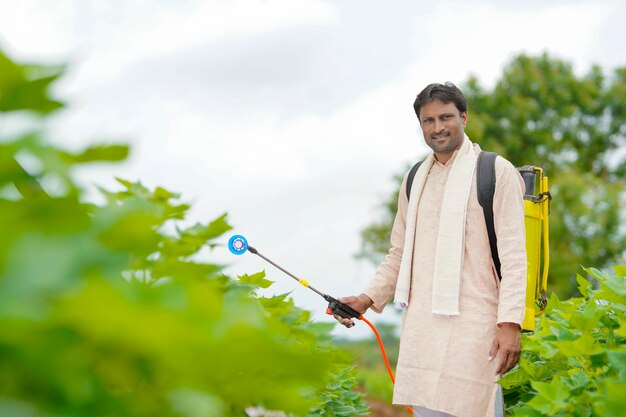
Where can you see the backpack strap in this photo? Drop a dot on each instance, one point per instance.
(409, 180)
(486, 187)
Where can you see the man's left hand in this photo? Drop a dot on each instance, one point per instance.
(507, 346)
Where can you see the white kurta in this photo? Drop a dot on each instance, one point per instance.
(443, 363)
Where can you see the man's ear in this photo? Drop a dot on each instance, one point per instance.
(464, 118)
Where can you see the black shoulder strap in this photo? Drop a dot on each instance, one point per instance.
(486, 187)
(409, 180)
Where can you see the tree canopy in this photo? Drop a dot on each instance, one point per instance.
(540, 112)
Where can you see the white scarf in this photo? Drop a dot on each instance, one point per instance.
(451, 235)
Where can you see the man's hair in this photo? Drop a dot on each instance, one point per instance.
(448, 93)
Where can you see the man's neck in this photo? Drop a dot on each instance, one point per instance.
(443, 158)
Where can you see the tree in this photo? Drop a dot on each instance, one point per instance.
(541, 113)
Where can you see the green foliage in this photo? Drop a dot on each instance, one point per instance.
(372, 375)
(575, 362)
(106, 310)
(339, 399)
(541, 113)
(25, 87)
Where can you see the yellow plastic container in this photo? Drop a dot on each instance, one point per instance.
(536, 210)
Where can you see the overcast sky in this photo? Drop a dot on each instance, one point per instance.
(292, 116)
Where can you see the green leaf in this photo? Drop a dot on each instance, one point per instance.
(345, 410)
(124, 182)
(585, 345)
(587, 319)
(514, 378)
(526, 411)
(257, 280)
(214, 229)
(26, 87)
(583, 285)
(620, 270)
(617, 359)
(161, 194)
(551, 397)
(617, 285)
(613, 402)
(599, 360)
(576, 381)
(597, 274)
(99, 153)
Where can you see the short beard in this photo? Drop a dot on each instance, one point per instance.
(450, 146)
(444, 148)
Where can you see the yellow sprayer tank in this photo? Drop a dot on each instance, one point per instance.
(536, 210)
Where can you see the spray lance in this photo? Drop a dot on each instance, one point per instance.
(238, 245)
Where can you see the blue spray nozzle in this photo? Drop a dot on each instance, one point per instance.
(238, 245)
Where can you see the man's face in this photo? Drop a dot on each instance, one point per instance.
(443, 126)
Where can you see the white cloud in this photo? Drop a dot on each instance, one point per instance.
(35, 28)
(465, 38)
(148, 29)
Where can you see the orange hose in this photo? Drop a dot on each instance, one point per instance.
(382, 350)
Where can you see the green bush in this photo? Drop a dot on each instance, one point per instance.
(372, 374)
(575, 362)
(107, 309)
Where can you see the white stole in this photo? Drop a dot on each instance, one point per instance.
(451, 234)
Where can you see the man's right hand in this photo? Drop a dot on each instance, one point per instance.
(360, 303)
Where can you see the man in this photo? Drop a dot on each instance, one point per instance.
(461, 324)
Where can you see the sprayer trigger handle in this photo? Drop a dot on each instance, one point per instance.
(341, 309)
(329, 311)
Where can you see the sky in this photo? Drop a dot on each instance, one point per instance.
(290, 116)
